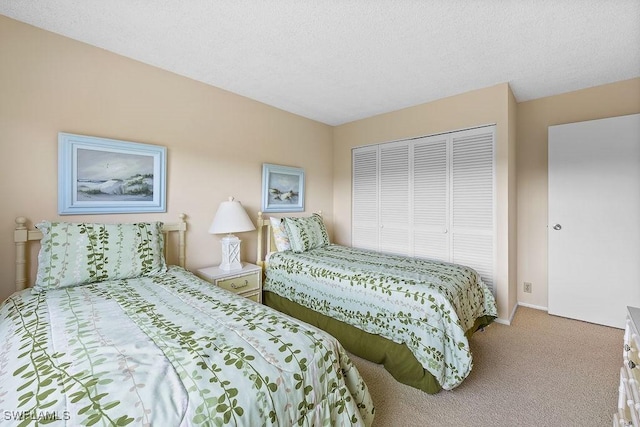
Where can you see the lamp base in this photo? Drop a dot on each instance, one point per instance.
(230, 253)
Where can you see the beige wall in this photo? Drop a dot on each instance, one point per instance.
(534, 117)
(216, 141)
(479, 107)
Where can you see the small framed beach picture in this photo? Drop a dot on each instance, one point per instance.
(102, 176)
(282, 188)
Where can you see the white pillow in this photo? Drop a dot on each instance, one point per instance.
(280, 234)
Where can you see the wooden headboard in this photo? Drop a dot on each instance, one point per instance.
(22, 236)
(266, 243)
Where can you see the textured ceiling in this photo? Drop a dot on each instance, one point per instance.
(336, 61)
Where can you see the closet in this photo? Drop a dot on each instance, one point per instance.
(428, 197)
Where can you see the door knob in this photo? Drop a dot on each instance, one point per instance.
(557, 227)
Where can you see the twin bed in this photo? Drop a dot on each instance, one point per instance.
(412, 315)
(111, 335)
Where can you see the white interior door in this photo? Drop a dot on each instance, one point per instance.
(594, 219)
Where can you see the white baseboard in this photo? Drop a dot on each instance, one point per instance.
(536, 307)
(513, 313)
(508, 321)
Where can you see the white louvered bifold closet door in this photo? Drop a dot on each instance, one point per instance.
(394, 198)
(431, 198)
(472, 201)
(364, 230)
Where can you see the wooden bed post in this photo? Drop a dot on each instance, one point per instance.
(182, 224)
(20, 237)
(180, 227)
(260, 254)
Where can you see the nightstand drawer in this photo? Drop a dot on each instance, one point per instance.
(246, 282)
(241, 284)
(256, 297)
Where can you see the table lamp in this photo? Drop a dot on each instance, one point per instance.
(231, 218)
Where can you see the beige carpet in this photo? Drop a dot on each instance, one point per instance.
(541, 371)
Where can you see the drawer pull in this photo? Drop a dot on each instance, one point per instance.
(632, 364)
(234, 286)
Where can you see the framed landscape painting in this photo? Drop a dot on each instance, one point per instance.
(99, 175)
(282, 188)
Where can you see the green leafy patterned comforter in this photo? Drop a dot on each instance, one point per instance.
(169, 350)
(426, 305)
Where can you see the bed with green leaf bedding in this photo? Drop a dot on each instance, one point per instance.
(412, 315)
(162, 347)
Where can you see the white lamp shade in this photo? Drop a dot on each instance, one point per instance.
(231, 218)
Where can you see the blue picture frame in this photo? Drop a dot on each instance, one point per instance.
(282, 188)
(104, 176)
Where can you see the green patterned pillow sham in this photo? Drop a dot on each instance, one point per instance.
(306, 233)
(79, 253)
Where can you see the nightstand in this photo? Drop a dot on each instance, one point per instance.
(246, 282)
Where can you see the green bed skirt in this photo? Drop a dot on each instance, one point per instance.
(396, 358)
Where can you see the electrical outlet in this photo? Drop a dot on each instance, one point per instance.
(527, 287)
